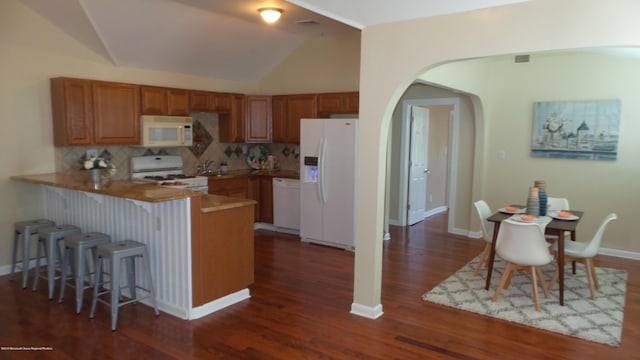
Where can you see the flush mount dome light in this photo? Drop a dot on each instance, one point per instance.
(270, 14)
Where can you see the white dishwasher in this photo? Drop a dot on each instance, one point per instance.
(286, 204)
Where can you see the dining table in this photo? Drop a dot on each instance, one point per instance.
(557, 226)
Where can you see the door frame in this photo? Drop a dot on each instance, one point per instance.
(452, 160)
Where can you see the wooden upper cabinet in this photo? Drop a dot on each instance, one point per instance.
(231, 125)
(200, 101)
(258, 119)
(279, 119)
(221, 102)
(299, 107)
(338, 103)
(116, 113)
(177, 102)
(163, 101)
(206, 101)
(72, 109)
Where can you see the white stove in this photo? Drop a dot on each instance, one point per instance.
(166, 170)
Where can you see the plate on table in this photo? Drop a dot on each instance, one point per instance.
(511, 211)
(570, 217)
(525, 219)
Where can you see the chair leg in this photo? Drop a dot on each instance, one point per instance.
(503, 280)
(36, 277)
(592, 265)
(115, 290)
(147, 265)
(543, 284)
(483, 259)
(590, 281)
(534, 286)
(14, 258)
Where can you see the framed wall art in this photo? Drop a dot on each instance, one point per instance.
(576, 129)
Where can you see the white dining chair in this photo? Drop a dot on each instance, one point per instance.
(483, 210)
(523, 246)
(556, 204)
(584, 252)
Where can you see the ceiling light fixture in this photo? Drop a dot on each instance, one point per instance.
(270, 14)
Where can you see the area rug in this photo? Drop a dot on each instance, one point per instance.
(598, 321)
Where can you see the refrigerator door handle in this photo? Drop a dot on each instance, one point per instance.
(323, 168)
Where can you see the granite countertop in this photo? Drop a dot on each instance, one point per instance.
(251, 172)
(212, 203)
(128, 189)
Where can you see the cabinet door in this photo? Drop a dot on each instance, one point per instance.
(254, 194)
(234, 186)
(330, 103)
(279, 119)
(200, 101)
(259, 119)
(177, 102)
(153, 100)
(266, 199)
(116, 115)
(299, 107)
(231, 126)
(221, 102)
(72, 111)
(352, 103)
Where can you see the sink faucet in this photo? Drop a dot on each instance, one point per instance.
(205, 168)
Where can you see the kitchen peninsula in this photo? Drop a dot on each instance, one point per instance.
(201, 246)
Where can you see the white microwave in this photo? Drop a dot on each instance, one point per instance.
(166, 131)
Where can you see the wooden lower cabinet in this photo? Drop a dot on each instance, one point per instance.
(266, 199)
(222, 253)
(236, 186)
(254, 194)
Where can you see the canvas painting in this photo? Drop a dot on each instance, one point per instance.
(576, 129)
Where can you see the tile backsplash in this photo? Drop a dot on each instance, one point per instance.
(235, 154)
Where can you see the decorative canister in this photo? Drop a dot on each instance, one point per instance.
(542, 196)
(533, 202)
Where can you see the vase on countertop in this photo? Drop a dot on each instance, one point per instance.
(542, 196)
(533, 202)
(95, 177)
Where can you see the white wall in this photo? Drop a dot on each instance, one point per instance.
(391, 61)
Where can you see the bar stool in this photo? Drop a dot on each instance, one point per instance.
(48, 241)
(25, 229)
(115, 252)
(75, 248)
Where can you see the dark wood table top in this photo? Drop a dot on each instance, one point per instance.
(555, 224)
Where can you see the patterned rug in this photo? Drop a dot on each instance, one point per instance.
(599, 320)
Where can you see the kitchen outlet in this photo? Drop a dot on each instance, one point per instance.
(92, 153)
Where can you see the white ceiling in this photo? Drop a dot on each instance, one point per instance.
(222, 38)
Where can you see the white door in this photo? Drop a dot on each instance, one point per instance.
(418, 164)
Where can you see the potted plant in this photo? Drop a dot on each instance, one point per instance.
(224, 167)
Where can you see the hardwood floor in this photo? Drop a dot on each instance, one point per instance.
(300, 310)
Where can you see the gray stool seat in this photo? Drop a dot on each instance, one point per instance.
(115, 252)
(74, 256)
(48, 240)
(24, 230)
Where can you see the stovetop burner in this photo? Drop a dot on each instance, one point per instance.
(169, 177)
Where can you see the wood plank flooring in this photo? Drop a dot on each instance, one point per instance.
(300, 310)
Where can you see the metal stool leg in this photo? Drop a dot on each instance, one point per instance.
(115, 290)
(147, 264)
(14, 258)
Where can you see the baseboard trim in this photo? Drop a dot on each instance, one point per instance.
(219, 304)
(367, 311)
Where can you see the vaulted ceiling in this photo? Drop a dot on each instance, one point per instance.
(223, 38)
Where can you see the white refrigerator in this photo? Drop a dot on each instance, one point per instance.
(327, 181)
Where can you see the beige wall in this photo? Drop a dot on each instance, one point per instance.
(391, 61)
(438, 144)
(33, 50)
(323, 64)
